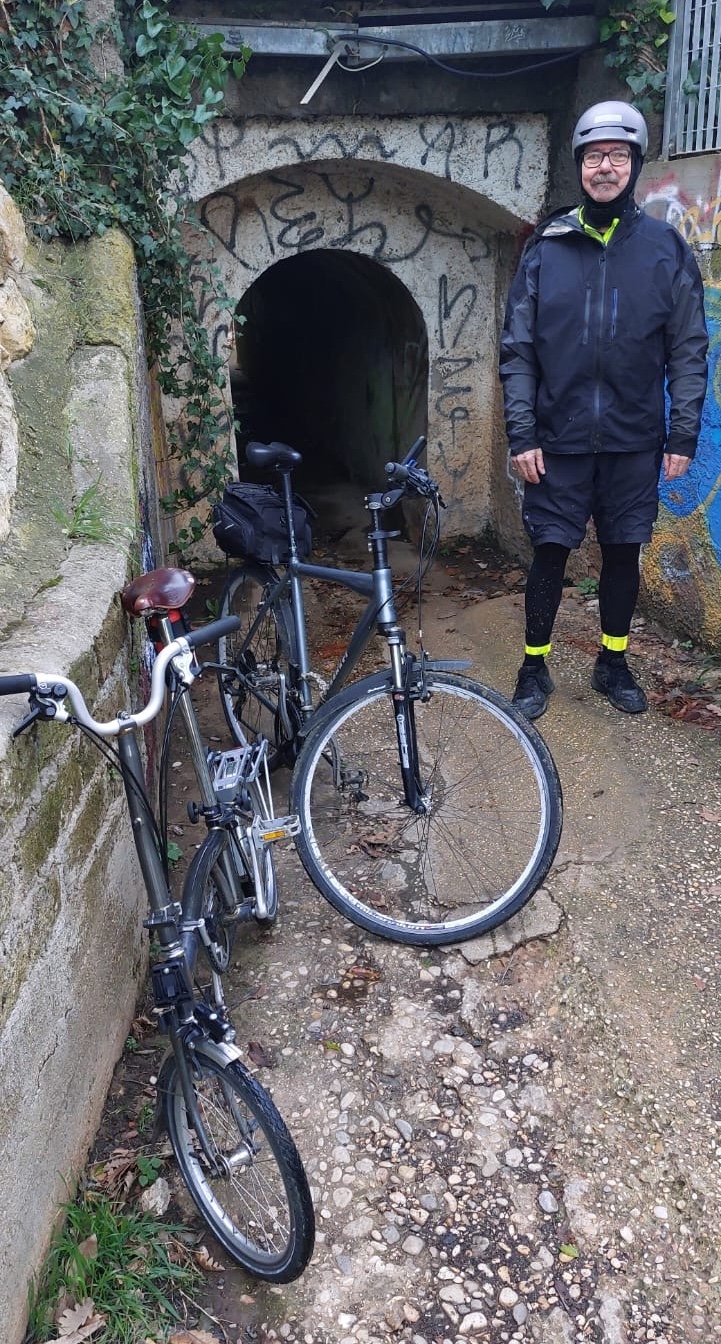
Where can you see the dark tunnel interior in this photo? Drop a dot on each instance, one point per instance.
(332, 359)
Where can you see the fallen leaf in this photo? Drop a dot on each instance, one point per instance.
(79, 1323)
(117, 1175)
(710, 814)
(568, 1251)
(205, 1260)
(258, 1054)
(89, 1248)
(363, 973)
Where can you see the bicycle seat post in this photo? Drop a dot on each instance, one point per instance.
(296, 592)
(287, 491)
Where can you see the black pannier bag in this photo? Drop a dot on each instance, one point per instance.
(249, 521)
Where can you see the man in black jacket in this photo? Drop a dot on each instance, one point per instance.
(605, 314)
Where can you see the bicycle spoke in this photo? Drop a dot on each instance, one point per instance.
(488, 831)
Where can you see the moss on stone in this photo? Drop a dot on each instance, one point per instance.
(89, 820)
(43, 829)
(28, 946)
(106, 307)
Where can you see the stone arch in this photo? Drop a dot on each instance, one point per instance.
(432, 204)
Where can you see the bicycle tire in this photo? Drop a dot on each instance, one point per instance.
(268, 875)
(474, 858)
(261, 1210)
(203, 895)
(251, 707)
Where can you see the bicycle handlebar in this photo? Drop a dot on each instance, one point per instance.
(52, 686)
(414, 451)
(19, 683)
(408, 478)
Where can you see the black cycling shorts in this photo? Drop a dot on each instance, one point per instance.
(618, 490)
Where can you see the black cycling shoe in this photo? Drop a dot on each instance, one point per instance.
(533, 688)
(616, 682)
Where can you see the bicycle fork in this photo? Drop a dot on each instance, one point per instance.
(417, 797)
(409, 685)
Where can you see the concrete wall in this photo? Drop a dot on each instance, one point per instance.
(70, 896)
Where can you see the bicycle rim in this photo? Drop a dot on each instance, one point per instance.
(251, 705)
(260, 1210)
(479, 852)
(262, 804)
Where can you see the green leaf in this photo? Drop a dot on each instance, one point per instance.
(571, 1251)
(78, 114)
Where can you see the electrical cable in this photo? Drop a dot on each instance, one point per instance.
(359, 69)
(454, 69)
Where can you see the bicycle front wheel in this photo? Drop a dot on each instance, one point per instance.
(484, 842)
(254, 701)
(258, 1204)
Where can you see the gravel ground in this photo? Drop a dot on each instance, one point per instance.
(484, 1163)
(517, 1139)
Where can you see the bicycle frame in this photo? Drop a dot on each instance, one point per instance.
(380, 612)
(407, 680)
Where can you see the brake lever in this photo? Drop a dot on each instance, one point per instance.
(424, 484)
(39, 709)
(35, 713)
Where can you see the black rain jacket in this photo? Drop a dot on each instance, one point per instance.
(592, 334)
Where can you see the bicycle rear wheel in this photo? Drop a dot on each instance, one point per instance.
(252, 701)
(479, 851)
(221, 875)
(259, 1206)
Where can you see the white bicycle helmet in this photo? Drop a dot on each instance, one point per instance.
(611, 121)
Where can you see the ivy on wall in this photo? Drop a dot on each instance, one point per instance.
(636, 37)
(83, 150)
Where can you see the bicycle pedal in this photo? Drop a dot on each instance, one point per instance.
(265, 831)
(232, 770)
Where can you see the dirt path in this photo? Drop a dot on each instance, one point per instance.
(517, 1140)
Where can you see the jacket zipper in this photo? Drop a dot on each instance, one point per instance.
(614, 312)
(587, 316)
(599, 340)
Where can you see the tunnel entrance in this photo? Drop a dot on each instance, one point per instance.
(332, 358)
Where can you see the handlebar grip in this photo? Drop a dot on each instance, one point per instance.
(210, 634)
(397, 471)
(18, 683)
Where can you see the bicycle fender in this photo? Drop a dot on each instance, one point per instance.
(448, 664)
(368, 684)
(354, 691)
(220, 1052)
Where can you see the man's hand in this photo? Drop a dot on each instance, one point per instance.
(675, 465)
(529, 466)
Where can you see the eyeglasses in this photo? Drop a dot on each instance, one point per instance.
(593, 158)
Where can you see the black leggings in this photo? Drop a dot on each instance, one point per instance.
(617, 590)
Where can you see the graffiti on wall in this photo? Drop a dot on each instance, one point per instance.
(501, 158)
(445, 258)
(423, 197)
(684, 560)
(301, 214)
